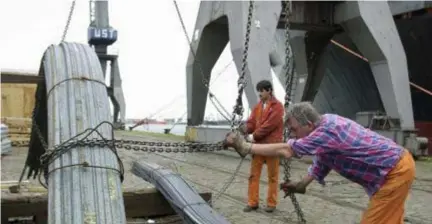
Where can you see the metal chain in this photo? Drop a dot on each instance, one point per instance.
(143, 146)
(238, 108)
(68, 21)
(290, 82)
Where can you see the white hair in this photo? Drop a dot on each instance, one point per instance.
(304, 113)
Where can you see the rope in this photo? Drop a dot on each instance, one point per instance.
(366, 60)
(205, 82)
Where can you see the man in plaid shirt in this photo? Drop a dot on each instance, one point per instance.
(384, 169)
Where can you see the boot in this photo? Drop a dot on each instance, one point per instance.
(250, 208)
(269, 209)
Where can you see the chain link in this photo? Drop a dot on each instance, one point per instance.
(144, 146)
(238, 108)
(290, 82)
(68, 21)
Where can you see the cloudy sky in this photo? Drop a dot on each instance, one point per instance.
(151, 46)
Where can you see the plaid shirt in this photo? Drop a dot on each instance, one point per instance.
(353, 151)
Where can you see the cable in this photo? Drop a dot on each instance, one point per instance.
(205, 82)
(366, 60)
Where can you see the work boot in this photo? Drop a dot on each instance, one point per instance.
(250, 208)
(269, 209)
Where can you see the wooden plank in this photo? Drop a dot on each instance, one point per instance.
(18, 100)
(138, 203)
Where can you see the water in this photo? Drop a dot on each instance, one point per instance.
(178, 129)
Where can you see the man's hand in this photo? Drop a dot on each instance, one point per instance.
(237, 141)
(292, 188)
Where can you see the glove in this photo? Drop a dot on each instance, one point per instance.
(291, 187)
(250, 138)
(237, 141)
(243, 129)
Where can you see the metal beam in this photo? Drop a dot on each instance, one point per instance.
(7, 77)
(311, 16)
(217, 23)
(375, 34)
(347, 10)
(310, 27)
(107, 57)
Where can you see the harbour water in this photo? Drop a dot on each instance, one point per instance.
(178, 129)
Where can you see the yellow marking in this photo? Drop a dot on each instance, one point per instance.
(191, 134)
(89, 218)
(112, 185)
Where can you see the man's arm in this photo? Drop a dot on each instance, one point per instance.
(251, 121)
(319, 141)
(316, 143)
(274, 149)
(275, 119)
(317, 171)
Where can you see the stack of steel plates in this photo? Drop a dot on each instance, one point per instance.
(6, 146)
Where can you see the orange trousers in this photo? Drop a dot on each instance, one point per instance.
(254, 180)
(387, 205)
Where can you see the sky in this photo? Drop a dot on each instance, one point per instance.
(151, 46)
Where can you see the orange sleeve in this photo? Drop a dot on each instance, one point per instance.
(251, 121)
(272, 122)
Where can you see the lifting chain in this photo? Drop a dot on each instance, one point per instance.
(68, 21)
(143, 146)
(238, 108)
(290, 82)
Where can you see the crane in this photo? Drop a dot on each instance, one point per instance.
(100, 36)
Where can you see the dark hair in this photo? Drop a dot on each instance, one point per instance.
(264, 85)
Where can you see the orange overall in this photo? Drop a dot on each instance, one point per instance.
(266, 125)
(387, 205)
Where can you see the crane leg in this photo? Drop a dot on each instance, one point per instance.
(117, 96)
(264, 22)
(208, 41)
(374, 32)
(217, 23)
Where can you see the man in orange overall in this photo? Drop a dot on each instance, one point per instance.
(265, 125)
